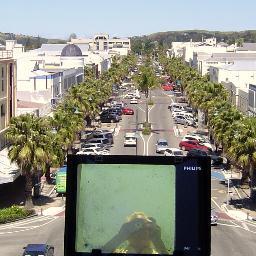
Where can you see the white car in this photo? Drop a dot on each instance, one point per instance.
(183, 113)
(130, 139)
(134, 101)
(173, 152)
(200, 139)
(93, 151)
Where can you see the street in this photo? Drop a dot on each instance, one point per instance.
(229, 237)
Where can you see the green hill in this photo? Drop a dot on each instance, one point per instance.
(30, 42)
(166, 38)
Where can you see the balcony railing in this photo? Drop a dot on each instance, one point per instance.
(4, 54)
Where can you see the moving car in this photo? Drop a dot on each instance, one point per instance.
(128, 111)
(173, 152)
(130, 139)
(161, 145)
(191, 144)
(38, 250)
(134, 101)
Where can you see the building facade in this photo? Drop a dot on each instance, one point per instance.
(7, 93)
(102, 42)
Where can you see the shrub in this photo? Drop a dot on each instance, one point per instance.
(150, 102)
(14, 213)
(146, 128)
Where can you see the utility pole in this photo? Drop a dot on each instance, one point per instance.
(137, 132)
(228, 192)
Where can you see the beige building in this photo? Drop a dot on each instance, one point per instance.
(103, 42)
(7, 92)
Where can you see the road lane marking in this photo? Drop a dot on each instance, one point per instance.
(148, 142)
(216, 204)
(245, 226)
(143, 110)
(144, 144)
(27, 229)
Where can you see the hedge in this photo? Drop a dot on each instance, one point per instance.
(14, 213)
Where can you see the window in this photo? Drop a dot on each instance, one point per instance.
(2, 110)
(2, 72)
(2, 85)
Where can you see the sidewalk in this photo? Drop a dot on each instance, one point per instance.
(48, 203)
(240, 205)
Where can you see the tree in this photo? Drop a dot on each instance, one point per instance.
(30, 148)
(72, 36)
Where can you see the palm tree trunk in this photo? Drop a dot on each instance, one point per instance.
(28, 190)
(253, 182)
(48, 173)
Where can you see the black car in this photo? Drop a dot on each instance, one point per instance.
(38, 250)
(196, 152)
(109, 118)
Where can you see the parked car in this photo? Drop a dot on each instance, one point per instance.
(191, 144)
(167, 87)
(93, 151)
(173, 152)
(38, 250)
(179, 119)
(98, 140)
(183, 113)
(134, 101)
(128, 111)
(199, 139)
(104, 135)
(109, 118)
(177, 106)
(196, 152)
(130, 139)
(214, 217)
(161, 145)
(92, 145)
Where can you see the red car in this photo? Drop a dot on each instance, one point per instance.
(191, 144)
(128, 111)
(167, 87)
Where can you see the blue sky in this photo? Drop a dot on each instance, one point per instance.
(59, 18)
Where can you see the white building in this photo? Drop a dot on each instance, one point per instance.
(102, 42)
(220, 59)
(8, 172)
(44, 77)
(236, 77)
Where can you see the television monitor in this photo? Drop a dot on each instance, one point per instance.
(137, 205)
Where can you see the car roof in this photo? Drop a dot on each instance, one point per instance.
(36, 247)
(161, 140)
(130, 134)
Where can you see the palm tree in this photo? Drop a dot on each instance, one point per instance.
(30, 148)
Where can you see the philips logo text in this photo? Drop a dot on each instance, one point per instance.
(192, 168)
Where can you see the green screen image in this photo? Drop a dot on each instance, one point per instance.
(125, 208)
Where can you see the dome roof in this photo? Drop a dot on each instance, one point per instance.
(71, 50)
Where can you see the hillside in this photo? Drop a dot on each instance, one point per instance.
(166, 38)
(29, 42)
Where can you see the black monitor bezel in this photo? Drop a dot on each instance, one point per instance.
(71, 194)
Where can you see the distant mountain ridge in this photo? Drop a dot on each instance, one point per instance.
(30, 42)
(166, 38)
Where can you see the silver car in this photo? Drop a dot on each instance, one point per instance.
(161, 145)
(180, 119)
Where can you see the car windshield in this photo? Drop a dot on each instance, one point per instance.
(162, 143)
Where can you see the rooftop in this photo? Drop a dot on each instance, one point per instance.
(244, 65)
